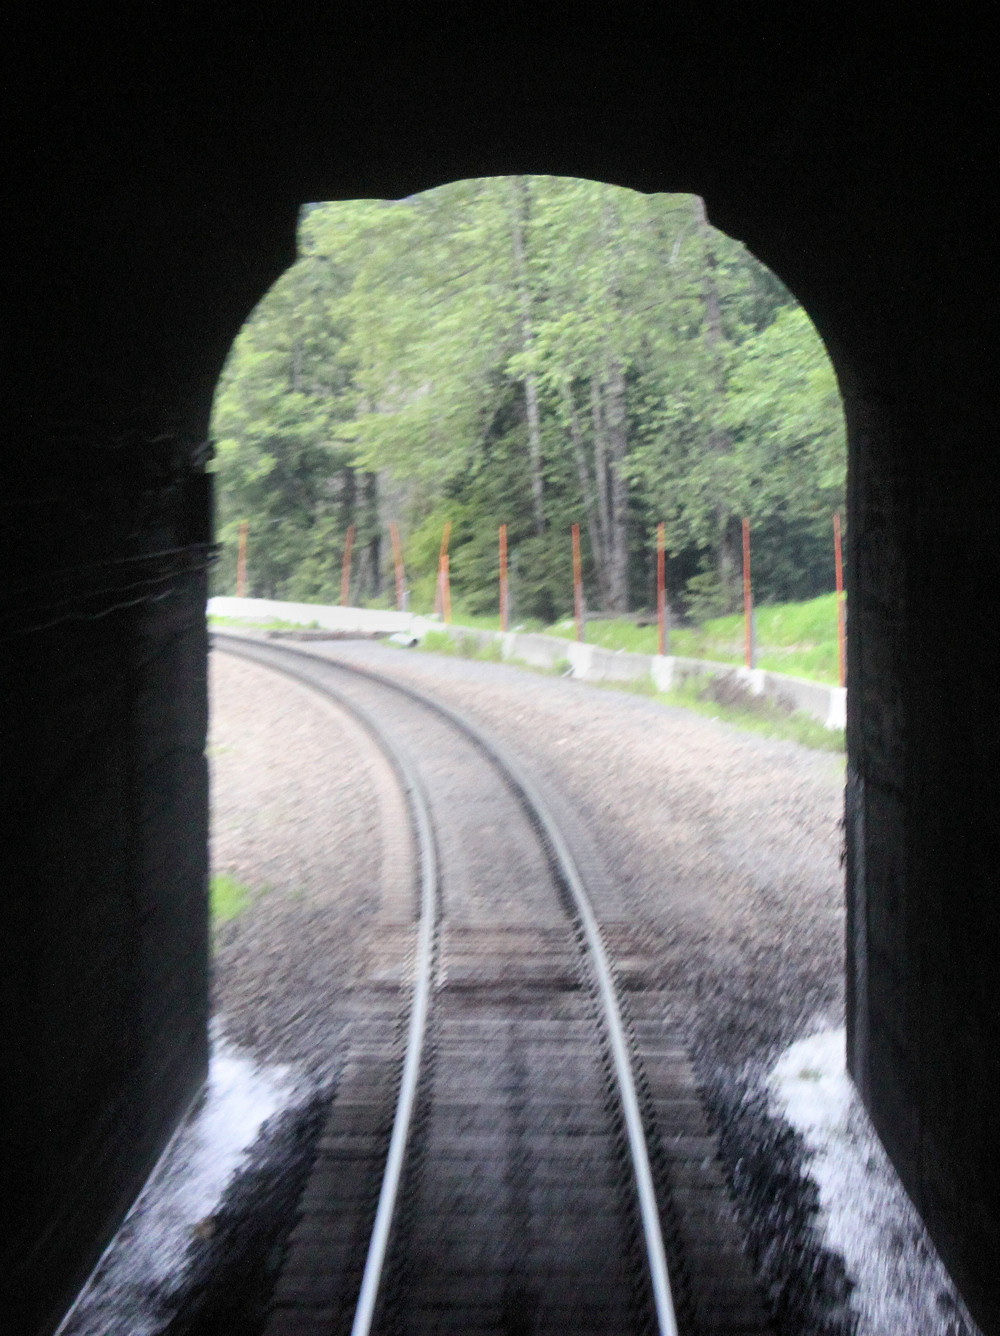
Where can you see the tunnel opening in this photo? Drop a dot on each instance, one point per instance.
(301, 338)
(294, 370)
(629, 364)
(304, 416)
(278, 441)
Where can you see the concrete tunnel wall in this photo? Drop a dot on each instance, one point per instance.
(156, 203)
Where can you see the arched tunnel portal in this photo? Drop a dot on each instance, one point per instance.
(153, 201)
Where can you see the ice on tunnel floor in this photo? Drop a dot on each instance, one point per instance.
(147, 1257)
(866, 1216)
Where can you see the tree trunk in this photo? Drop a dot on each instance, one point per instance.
(586, 490)
(348, 497)
(615, 417)
(374, 547)
(617, 435)
(520, 202)
(710, 290)
(600, 466)
(720, 442)
(728, 558)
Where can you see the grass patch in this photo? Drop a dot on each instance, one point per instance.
(799, 639)
(756, 714)
(462, 646)
(638, 686)
(438, 642)
(227, 897)
(263, 623)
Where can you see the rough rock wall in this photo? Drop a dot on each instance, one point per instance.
(136, 263)
(108, 978)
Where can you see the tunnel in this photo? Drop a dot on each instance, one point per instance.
(153, 190)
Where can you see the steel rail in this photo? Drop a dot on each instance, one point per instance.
(392, 1176)
(538, 812)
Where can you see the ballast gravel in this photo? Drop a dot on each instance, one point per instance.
(728, 843)
(725, 846)
(296, 824)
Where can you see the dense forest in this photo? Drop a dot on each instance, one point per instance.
(539, 352)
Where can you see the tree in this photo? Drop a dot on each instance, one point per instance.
(534, 351)
(283, 390)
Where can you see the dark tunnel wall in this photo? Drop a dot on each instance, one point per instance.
(154, 199)
(106, 544)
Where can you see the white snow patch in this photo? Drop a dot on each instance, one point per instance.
(866, 1216)
(149, 1252)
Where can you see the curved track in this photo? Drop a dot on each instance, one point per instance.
(481, 1082)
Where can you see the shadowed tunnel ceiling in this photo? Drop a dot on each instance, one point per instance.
(153, 192)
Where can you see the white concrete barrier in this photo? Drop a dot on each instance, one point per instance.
(372, 621)
(593, 663)
(586, 663)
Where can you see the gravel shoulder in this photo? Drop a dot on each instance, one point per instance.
(724, 845)
(727, 843)
(300, 809)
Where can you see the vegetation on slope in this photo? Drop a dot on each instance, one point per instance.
(795, 638)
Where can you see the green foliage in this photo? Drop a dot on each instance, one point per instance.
(227, 897)
(705, 595)
(285, 391)
(535, 351)
(439, 642)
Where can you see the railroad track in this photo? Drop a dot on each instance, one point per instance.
(521, 1150)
